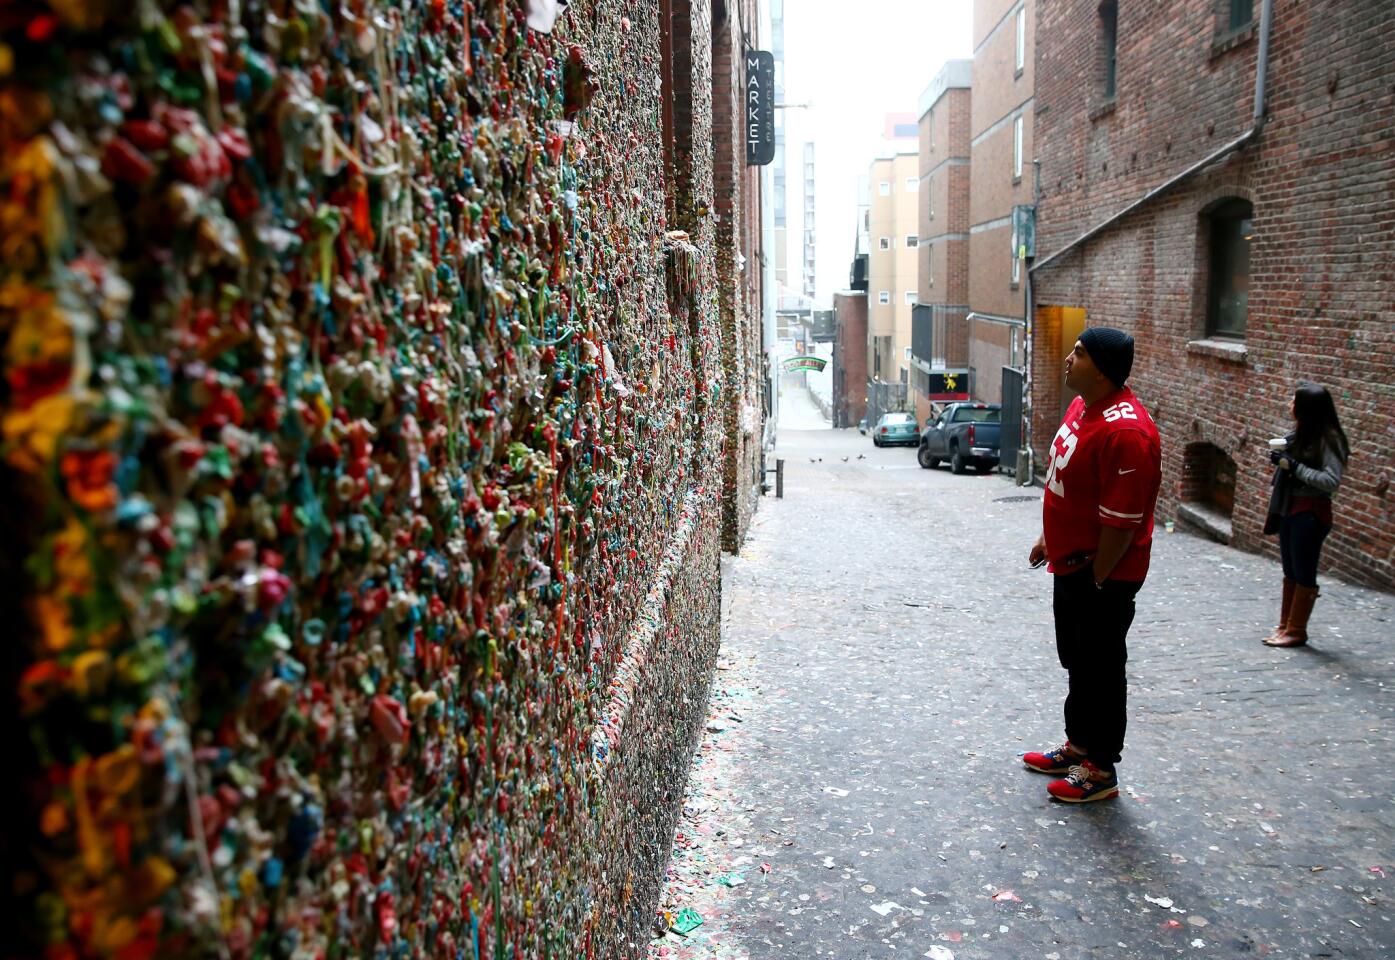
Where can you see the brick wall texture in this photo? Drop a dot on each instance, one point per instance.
(944, 199)
(1322, 286)
(1001, 94)
(850, 359)
(736, 204)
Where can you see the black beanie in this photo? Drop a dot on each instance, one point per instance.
(1111, 350)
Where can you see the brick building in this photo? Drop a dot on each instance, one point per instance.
(849, 358)
(1000, 171)
(975, 148)
(737, 205)
(1237, 217)
(939, 322)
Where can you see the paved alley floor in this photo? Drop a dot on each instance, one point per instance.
(887, 656)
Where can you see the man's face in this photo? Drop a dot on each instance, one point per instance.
(1081, 371)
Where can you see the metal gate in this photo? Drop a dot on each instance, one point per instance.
(1010, 435)
(884, 398)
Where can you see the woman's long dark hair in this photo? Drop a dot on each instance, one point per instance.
(1317, 424)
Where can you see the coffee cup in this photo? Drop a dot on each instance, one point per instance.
(1278, 443)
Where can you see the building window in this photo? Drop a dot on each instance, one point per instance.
(910, 298)
(1109, 37)
(1227, 302)
(1241, 13)
(884, 296)
(1017, 149)
(1022, 38)
(911, 240)
(883, 243)
(930, 268)
(884, 188)
(932, 130)
(912, 185)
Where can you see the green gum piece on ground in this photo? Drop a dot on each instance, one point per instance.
(687, 921)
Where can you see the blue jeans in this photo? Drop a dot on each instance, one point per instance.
(1300, 545)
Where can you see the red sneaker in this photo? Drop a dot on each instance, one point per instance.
(1084, 783)
(1059, 760)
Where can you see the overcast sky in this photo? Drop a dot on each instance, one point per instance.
(855, 62)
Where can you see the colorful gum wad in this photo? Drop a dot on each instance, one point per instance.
(351, 389)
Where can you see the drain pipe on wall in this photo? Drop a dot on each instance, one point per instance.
(1026, 473)
(1266, 16)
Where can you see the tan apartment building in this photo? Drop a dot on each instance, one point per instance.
(892, 225)
(1001, 176)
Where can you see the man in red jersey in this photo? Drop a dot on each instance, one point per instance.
(1097, 531)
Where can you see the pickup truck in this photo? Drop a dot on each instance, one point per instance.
(963, 434)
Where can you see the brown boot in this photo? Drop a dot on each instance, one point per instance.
(1278, 632)
(1298, 614)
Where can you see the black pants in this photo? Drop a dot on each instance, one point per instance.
(1300, 545)
(1091, 628)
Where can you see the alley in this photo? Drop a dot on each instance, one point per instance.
(887, 655)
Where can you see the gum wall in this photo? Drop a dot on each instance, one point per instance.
(362, 455)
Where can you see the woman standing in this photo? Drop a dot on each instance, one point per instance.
(1307, 473)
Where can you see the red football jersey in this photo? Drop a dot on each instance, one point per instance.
(1105, 470)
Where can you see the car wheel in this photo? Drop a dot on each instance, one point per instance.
(876, 442)
(956, 461)
(922, 457)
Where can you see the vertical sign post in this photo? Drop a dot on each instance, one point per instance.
(760, 108)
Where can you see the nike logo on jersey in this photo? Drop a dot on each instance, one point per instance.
(1122, 472)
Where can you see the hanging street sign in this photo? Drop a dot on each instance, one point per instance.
(760, 108)
(794, 364)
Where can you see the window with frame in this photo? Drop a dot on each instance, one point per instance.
(912, 184)
(1230, 231)
(1109, 42)
(1017, 130)
(883, 243)
(1021, 38)
(884, 188)
(910, 298)
(930, 190)
(1242, 12)
(884, 296)
(911, 240)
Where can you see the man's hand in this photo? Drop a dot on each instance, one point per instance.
(1114, 543)
(1038, 555)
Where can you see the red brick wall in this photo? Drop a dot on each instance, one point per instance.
(1000, 95)
(1322, 288)
(736, 204)
(944, 258)
(850, 357)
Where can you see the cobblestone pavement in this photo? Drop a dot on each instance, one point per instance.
(888, 654)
